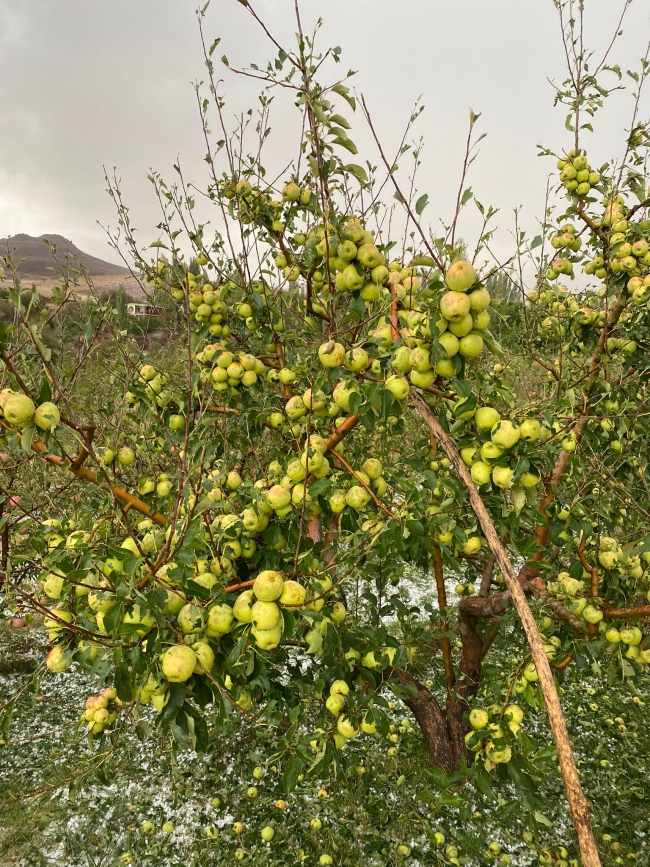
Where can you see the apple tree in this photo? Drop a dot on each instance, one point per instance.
(240, 510)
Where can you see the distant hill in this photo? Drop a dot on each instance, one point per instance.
(35, 256)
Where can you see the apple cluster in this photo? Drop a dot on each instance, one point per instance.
(19, 411)
(492, 730)
(576, 174)
(562, 314)
(101, 710)
(227, 371)
(490, 457)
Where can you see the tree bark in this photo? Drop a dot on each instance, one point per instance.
(580, 809)
(431, 720)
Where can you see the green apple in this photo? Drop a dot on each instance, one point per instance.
(46, 416)
(481, 473)
(356, 359)
(490, 451)
(530, 429)
(293, 594)
(178, 663)
(125, 456)
(357, 497)
(506, 435)
(471, 346)
(486, 417)
(460, 276)
(369, 256)
(398, 387)
(268, 586)
(479, 300)
(219, 621)
(478, 719)
(265, 615)
(449, 343)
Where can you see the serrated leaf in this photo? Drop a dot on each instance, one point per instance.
(236, 652)
(536, 242)
(123, 682)
(467, 195)
(492, 345)
(45, 392)
(113, 617)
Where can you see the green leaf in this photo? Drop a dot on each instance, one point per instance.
(536, 242)
(27, 438)
(541, 818)
(344, 91)
(336, 118)
(421, 203)
(45, 393)
(124, 682)
(177, 692)
(113, 617)
(236, 652)
(359, 172)
(467, 195)
(492, 345)
(291, 773)
(347, 143)
(424, 261)
(468, 405)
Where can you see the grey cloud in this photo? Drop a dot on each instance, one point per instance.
(86, 84)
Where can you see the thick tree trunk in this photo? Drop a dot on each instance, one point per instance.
(466, 688)
(431, 720)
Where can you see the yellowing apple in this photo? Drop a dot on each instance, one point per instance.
(502, 477)
(331, 354)
(454, 306)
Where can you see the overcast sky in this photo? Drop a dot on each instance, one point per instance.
(108, 82)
